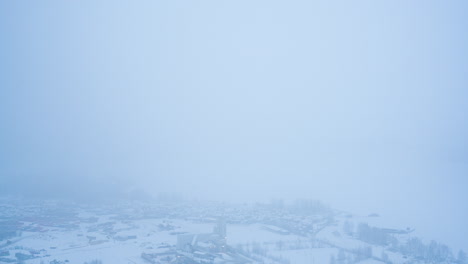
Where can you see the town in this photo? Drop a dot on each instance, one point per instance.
(163, 232)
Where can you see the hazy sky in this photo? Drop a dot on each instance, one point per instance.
(362, 104)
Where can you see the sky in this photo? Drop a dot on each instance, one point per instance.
(361, 104)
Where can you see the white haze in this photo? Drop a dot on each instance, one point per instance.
(361, 104)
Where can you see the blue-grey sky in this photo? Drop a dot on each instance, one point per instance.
(363, 104)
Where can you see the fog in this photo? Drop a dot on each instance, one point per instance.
(360, 104)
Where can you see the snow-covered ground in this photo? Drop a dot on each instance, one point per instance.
(63, 233)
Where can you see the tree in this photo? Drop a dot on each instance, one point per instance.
(385, 257)
(279, 245)
(95, 261)
(348, 228)
(341, 256)
(462, 258)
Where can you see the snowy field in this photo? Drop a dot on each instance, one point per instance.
(54, 233)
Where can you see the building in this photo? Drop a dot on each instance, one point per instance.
(207, 242)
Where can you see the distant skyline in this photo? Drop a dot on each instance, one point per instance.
(361, 104)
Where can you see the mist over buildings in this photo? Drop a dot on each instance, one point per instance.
(360, 104)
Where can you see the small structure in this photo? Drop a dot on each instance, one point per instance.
(208, 242)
